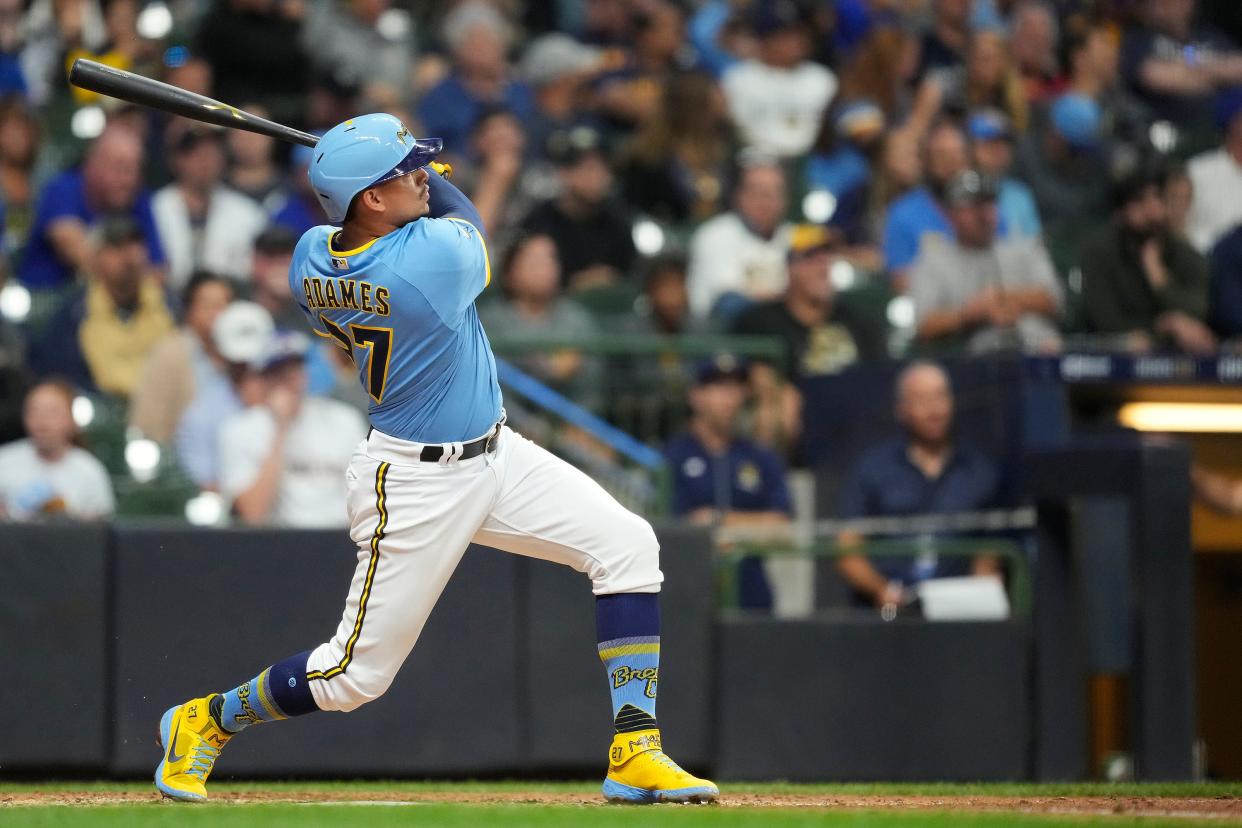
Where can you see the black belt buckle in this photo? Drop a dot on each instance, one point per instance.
(490, 445)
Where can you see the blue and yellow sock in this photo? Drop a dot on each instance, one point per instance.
(628, 630)
(277, 693)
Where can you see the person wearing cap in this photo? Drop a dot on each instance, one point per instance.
(846, 168)
(777, 98)
(1143, 284)
(821, 335)
(943, 45)
(1065, 160)
(593, 234)
(477, 36)
(557, 69)
(1177, 64)
(1216, 179)
(183, 362)
(980, 292)
(269, 275)
(722, 478)
(1091, 55)
(70, 204)
(280, 460)
(238, 336)
(367, 42)
(738, 257)
(203, 223)
(100, 336)
(991, 152)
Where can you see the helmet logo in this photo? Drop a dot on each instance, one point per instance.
(402, 134)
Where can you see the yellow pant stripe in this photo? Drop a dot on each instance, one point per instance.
(381, 476)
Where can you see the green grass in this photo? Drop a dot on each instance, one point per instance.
(425, 814)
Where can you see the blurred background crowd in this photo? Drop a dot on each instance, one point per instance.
(848, 181)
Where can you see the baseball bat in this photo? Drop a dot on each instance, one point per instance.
(117, 83)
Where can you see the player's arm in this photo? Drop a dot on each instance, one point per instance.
(446, 201)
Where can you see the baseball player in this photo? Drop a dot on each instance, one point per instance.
(394, 286)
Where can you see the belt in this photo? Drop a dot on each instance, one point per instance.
(432, 454)
(446, 452)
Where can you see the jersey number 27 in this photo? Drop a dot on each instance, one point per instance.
(377, 342)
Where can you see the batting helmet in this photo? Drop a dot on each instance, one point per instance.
(361, 153)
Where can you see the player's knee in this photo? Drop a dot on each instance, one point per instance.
(639, 551)
(363, 688)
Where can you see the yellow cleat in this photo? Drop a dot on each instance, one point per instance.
(640, 772)
(191, 741)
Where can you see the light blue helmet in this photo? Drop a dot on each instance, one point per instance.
(361, 153)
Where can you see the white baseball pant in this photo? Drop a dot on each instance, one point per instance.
(412, 521)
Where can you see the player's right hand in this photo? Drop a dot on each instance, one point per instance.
(445, 170)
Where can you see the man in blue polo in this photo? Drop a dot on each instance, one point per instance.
(722, 478)
(925, 472)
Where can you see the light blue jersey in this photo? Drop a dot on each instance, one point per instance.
(403, 307)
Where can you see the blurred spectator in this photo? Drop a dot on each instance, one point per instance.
(13, 379)
(944, 44)
(845, 168)
(821, 336)
(1142, 282)
(533, 308)
(12, 79)
(722, 478)
(366, 43)
(738, 257)
(1092, 55)
(593, 237)
(203, 224)
(19, 150)
(121, 47)
(926, 471)
(52, 28)
(1226, 298)
(676, 166)
(1216, 178)
(269, 277)
(183, 362)
(777, 99)
(666, 311)
(1066, 163)
(918, 214)
(991, 152)
(1033, 38)
(281, 459)
(719, 36)
(45, 474)
(107, 183)
(239, 336)
(477, 36)
(1176, 64)
(252, 169)
(557, 67)
(100, 336)
(879, 69)
(245, 41)
(988, 80)
(1178, 195)
(977, 289)
(494, 177)
(630, 94)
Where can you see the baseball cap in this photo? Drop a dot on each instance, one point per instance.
(722, 366)
(771, 16)
(241, 331)
(275, 240)
(281, 347)
(971, 187)
(554, 56)
(117, 230)
(859, 119)
(566, 147)
(988, 125)
(806, 239)
(1076, 118)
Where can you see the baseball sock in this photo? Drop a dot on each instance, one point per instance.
(628, 629)
(277, 693)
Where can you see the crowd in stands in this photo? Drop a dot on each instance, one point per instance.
(1017, 175)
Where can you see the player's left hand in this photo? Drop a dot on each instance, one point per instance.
(445, 170)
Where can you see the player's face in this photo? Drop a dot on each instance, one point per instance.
(405, 198)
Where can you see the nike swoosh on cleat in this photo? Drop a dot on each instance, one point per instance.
(172, 746)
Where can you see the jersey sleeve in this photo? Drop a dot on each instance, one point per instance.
(446, 259)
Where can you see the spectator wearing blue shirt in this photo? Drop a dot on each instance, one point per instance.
(1225, 301)
(991, 148)
(925, 472)
(722, 478)
(480, 79)
(846, 168)
(108, 183)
